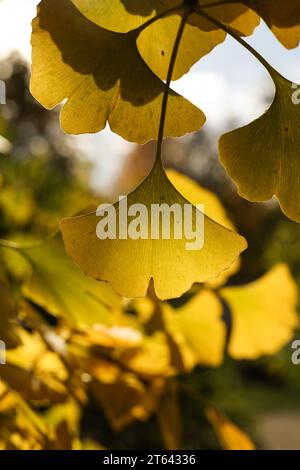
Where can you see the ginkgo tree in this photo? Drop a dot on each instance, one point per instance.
(113, 61)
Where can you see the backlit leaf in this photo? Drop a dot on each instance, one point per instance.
(198, 330)
(102, 76)
(123, 15)
(264, 314)
(263, 157)
(197, 194)
(283, 18)
(155, 42)
(129, 264)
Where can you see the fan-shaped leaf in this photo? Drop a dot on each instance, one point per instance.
(263, 157)
(264, 314)
(129, 264)
(213, 209)
(102, 76)
(283, 18)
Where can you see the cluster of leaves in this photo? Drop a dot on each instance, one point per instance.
(82, 64)
(72, 337)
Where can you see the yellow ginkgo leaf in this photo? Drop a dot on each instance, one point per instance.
(156, 39)
(123, 15)
(289, 37)
(283, 19)
(229, 435)
(8, 332)
(59, 286)
(264, 314)
(213, 209)
(197, 329)
(155, 43)
(148, 245)
(263, 157)
(103, 78)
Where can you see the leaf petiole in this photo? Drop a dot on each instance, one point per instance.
(187, 12)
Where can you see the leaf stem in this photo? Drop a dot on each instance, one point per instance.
(235, 36)
(188, 10)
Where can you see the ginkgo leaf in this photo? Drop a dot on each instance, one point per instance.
(156, 40)
(128, 261)
(198, 329)
(103, 78)
(289, 37)
(263, 157)
(155, 43)
(123, 15)
(59, 286)
(8, 332)
(283, 19)
(264, 314)
(230, 436)
(152, 358)
(212, 206)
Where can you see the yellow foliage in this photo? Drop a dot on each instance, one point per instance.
(129, 265)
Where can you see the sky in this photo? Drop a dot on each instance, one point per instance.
(228, 84)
